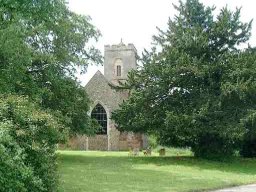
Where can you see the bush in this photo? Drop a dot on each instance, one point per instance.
(32, 138)
(152, 141)
(15, 175)
(213, 146)
(248, 147)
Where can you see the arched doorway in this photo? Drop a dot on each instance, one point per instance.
(99, 113)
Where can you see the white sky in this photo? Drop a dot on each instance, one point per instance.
(135, 21)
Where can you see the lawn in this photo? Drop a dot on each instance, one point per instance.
(82, 171)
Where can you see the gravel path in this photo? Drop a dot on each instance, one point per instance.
(243, 188)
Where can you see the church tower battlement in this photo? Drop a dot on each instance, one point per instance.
(118, 61)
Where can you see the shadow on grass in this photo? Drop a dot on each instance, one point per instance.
(236, 165)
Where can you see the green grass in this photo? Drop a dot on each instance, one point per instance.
(82, 171)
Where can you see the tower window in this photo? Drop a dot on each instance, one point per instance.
(100, 115)
(118, 70)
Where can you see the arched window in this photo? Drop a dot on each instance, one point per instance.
(118, 70)
(100, 115)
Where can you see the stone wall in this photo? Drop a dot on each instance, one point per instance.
(129, 141)
(98, 142)
(115, 141)
(114, 135)
(79, 142)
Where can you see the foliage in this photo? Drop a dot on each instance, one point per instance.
(14, 174)
(196, 87)
(69, 97)
(152, 141)
(27, 145)
(42, 44)
(248, 148)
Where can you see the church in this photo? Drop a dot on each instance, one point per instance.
(118, 61)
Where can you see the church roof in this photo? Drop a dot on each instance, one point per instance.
(97, 75)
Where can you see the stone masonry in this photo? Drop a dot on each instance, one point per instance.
(118, 61)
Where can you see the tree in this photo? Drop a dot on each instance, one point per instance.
(42, 43)
(196, 91)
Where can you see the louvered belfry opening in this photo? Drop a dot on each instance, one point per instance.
(118, 70)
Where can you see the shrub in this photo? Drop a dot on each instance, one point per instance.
(34, 135)
(213, 146)
(15, 175)
(248, 147)
(152, 141)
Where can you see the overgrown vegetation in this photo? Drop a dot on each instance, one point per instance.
(42, 44)
(196, 88)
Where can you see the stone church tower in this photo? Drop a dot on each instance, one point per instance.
(118, 61)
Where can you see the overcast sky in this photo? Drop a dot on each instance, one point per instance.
(135, 21)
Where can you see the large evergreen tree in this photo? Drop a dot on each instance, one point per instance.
(196, 88)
